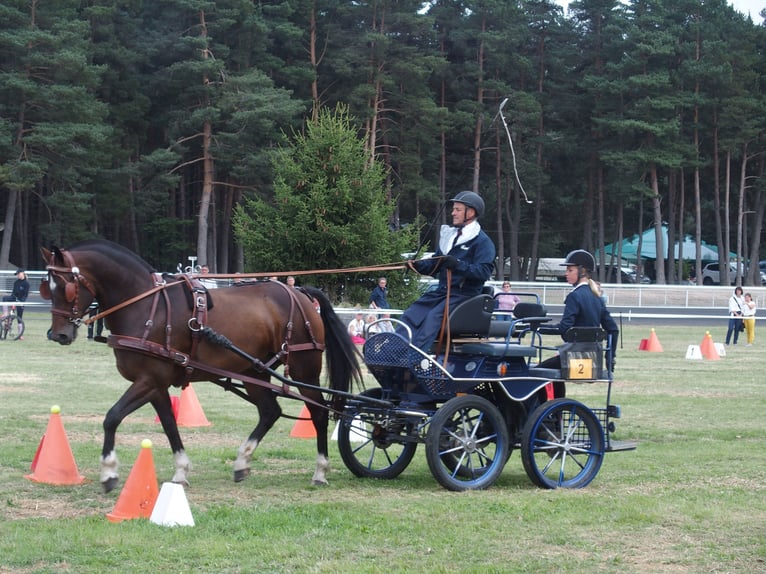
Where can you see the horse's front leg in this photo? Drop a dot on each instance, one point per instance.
(269, 412)
(137, 395)
(164, 408)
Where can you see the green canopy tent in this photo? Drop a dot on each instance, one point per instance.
(628, 248)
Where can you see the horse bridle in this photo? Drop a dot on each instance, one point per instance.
(72, 290)
(71, 286)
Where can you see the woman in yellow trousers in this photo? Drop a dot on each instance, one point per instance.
(748, 317)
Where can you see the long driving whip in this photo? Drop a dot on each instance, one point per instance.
(513, 152)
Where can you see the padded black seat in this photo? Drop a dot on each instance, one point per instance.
(524, 310)
(471, 318)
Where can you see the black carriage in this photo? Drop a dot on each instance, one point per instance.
(479, 398)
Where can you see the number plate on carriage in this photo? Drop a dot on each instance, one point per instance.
(580, 368)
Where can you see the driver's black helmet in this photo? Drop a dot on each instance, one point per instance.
(470, 199)
(581, 258)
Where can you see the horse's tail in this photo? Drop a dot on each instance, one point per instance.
(341, 353)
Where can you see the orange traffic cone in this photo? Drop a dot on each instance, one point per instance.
(53, 462)
(190, 413)
(140, 492)
(707, 348)
(653, 344)
(304, 426)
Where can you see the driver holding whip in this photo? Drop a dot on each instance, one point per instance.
(470, 255)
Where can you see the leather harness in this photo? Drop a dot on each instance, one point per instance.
(196, 324)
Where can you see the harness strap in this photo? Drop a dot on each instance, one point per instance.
(184, 360)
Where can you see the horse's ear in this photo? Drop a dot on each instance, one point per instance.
(46, 254)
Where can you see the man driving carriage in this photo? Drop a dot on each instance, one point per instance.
(468, 253)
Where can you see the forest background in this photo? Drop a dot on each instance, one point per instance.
(161, 125)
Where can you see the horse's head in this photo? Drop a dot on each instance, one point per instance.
(69, 291)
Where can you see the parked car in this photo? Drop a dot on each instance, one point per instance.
(711, 274)
(626, 273)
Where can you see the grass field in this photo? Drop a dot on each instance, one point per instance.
(691, 498)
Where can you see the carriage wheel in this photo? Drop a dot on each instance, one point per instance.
(467, 443)
(368, 449)
(562, 445)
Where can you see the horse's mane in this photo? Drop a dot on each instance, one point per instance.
(122, 255)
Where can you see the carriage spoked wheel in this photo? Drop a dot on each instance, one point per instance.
(370, 450)
(562, 445)
(11, 327)
(467, 443)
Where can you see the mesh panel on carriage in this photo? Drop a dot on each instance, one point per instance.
(387, 349)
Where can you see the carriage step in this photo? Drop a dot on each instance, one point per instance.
(620, 445)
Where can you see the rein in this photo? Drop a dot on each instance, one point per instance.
(128, 302)
(382, 267)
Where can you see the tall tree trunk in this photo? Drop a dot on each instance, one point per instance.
(697, 190)
(671, 228)
(681, 228)
(741, 212)
(600, 194)
(480, 113)
(758, 204)
(659, 263)
(723, 255)
(207, 173)
(10, 218)
(314, 60)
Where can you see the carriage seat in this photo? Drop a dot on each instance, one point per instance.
(472, 317)
(498, 350)
(531, 315)
(584, 335)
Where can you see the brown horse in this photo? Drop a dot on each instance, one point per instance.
(160, 328)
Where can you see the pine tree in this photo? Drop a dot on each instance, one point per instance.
(329, 208)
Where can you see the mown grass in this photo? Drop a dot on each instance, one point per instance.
(689, 499)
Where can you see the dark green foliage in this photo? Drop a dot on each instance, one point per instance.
(148, 122)
(329, 209)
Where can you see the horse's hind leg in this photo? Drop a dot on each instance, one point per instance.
(269, 412)
(320, 418)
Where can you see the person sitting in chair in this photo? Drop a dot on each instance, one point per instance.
(465, 250)
(583, 307)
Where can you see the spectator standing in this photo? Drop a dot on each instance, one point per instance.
(736, 301)
(19, 294)
(748, 317)
(93, 310)
(505, 301)
(379, 295)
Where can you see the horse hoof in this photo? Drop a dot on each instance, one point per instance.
(319, 483)
(240, 475)
(109, 484)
